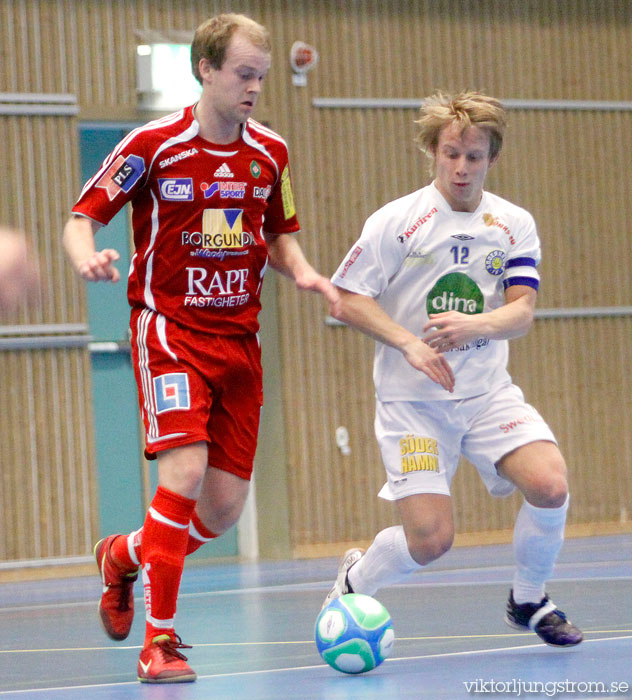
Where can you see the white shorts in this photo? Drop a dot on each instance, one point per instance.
(421, 442)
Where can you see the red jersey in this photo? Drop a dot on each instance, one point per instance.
(199, 210)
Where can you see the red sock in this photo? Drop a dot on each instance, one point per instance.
(199, 534)
(165, 535)
(125, 550)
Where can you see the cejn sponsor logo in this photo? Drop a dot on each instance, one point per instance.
(176, 189)
(179, 156)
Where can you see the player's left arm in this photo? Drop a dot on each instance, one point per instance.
(452, 329)
(286, 256)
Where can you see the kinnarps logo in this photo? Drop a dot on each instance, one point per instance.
(455, 292)
(176, 189)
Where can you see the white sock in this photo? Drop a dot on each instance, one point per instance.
(386, 561)
(538, 538)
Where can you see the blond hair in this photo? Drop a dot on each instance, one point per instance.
(212, 37)
(466, 109)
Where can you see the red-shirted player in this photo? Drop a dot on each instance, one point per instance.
(212, 206)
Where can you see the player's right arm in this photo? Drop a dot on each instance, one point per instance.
(91, 264)
(366, 315)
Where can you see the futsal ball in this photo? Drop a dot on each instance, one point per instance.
(354, 633)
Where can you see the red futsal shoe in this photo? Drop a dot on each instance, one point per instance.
(161, 662)
(116, 607)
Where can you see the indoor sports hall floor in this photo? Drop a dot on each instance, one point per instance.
(252, 630)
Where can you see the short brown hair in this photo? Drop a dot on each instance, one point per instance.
(465, 108)
(213, 36)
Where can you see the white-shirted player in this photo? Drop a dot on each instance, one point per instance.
(441, 279)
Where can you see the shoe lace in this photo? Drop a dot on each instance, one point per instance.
(170, 648)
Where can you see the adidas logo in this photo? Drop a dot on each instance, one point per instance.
(223, 171)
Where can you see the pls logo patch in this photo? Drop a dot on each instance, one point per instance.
(122, 175)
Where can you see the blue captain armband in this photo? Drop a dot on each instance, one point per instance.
(521, 271)
(526, 281)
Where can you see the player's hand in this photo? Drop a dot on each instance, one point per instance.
(431, 362)
(450, 330)
(310, 280)
(99, 266)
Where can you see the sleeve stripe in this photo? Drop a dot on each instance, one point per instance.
(526, 281)
(520, 262)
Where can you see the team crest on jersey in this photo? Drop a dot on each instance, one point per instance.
(172, 392)
(255, 169)
(495, 262)
(122, 175)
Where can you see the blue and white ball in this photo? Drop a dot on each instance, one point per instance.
(354, 633)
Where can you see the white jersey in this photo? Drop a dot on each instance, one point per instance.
(417, 256)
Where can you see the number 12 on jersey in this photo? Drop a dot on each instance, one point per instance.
(460, 253)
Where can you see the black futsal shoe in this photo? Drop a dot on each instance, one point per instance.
(543, 618)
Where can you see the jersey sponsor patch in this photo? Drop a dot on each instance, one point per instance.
(172, 392)
(222, 228)
(227, 190)
(419, 454)
(261, 192)
(491, 220)
(403, 237)
(123, 174)
(178, 156)
(287, 195)
(355, 254)
(455, 292)
(176, 189)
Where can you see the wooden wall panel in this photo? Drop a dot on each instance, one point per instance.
(48, 489)
(568, 168)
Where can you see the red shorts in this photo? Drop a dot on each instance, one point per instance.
(196, 387)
